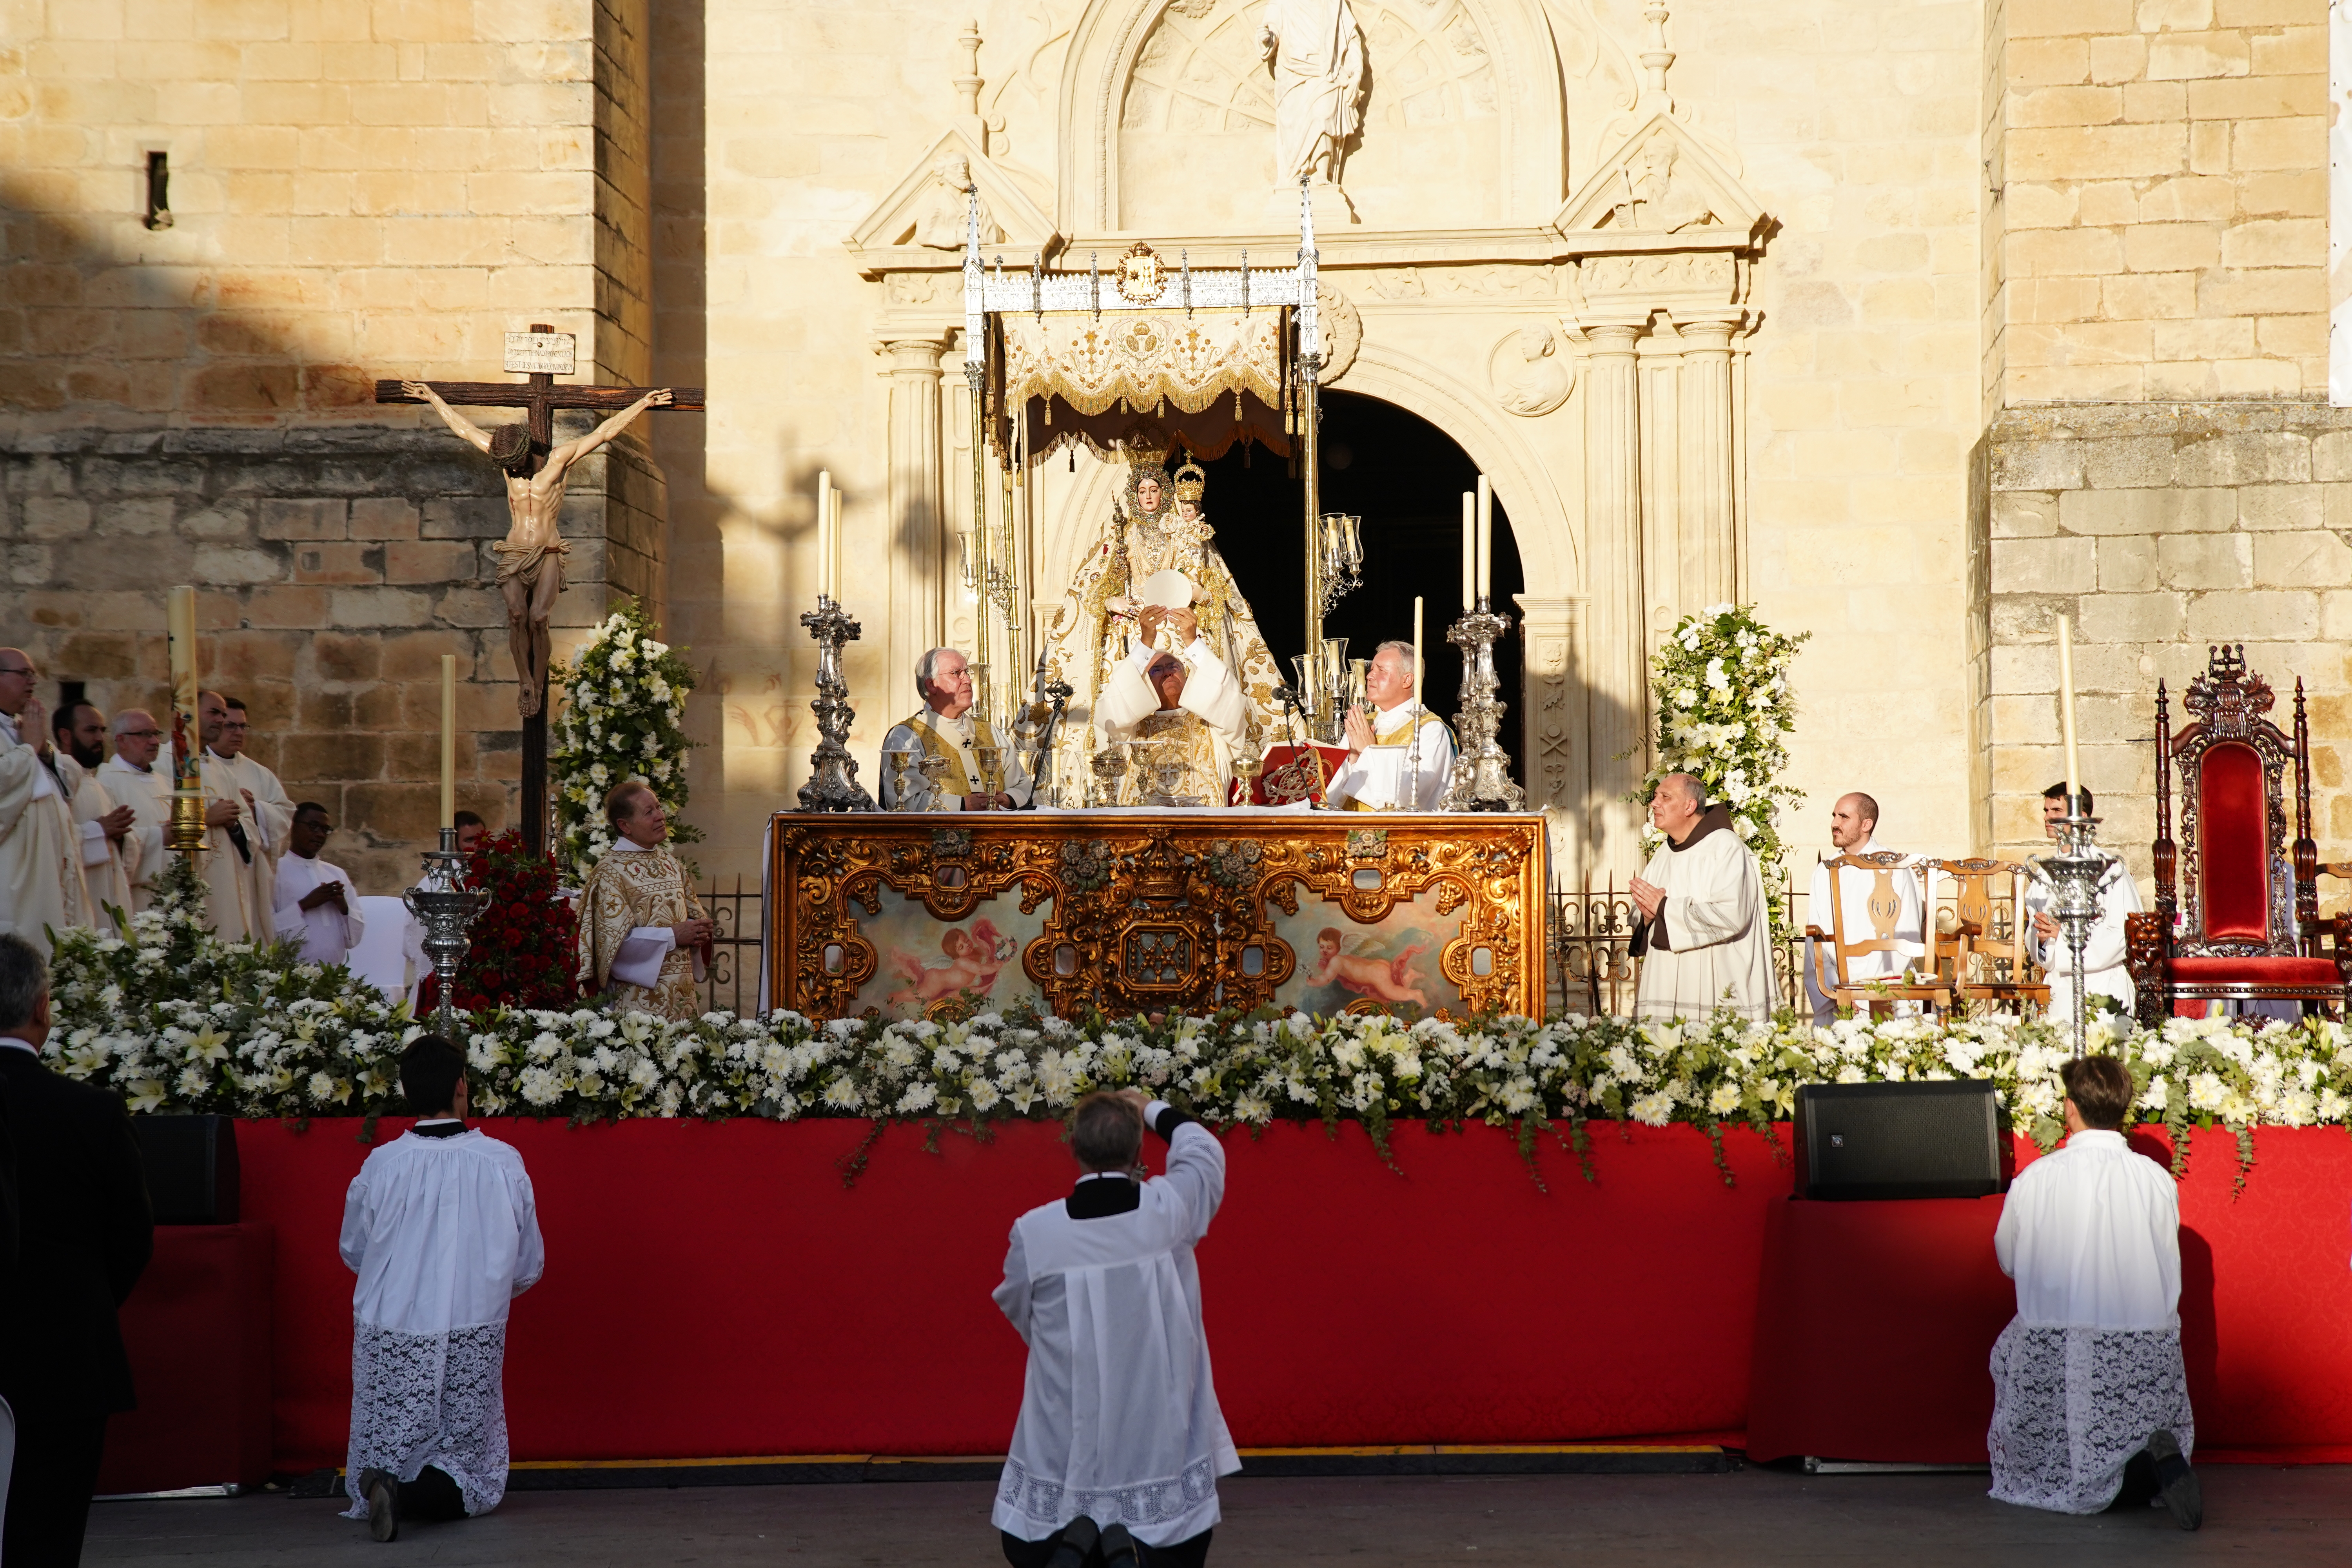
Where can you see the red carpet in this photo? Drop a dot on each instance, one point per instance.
(714, 1289)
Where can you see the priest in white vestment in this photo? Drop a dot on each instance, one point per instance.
(1179, 714)
(1853, 830)
(1119, 1433)
(237, 907)
(268, 806)
(1705, 939)
(42, 889)
(440, 1228)
(2090, 1406)
(1385, 771)
(948, 730)
(315, 905)
(103, 823)
(2104, 971)
(135, 777)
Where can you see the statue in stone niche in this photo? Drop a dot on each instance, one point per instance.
(1530, 378)
(941, 222)
(1156, 550)
(531, 557)
(1318, 54)
(1653, 199)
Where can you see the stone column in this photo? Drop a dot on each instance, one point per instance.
(1618, 672)
(1709, 556)
(1553, 719)
(1665, 585)
(917, 535)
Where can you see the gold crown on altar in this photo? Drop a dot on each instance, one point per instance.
(1190, 480)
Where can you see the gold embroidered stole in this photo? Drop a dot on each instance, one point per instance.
(957, 780)
(1400, 736)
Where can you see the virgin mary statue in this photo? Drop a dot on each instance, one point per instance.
(1157, 548)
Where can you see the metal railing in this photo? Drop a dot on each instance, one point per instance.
(1588, 968)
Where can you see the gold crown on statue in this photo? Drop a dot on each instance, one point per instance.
(1190, 480)
(1146, 446)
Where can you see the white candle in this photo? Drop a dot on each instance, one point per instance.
(824, 528)
(832, 562)
(448, 740)
(2066, 708)
(1486, 540)
(1416, 654)
(180, 607)
(1469, 551)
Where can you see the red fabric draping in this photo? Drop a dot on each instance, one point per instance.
(2233, 855)
(198, 1329)
(714, 1289)
(2281, 971)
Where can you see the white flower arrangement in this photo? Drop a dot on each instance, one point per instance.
(1720, 687)
(624, 717)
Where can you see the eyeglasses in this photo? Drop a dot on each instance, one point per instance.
(28, 672)
(140, 735)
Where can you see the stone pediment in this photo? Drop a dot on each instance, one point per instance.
(1661, 190)
(920, 225)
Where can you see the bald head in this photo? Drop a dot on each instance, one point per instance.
(19, 674)
(212, 717)
(1853, 820)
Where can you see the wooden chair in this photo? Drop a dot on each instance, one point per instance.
(1985, 950)
(1834, 953)
(2248, 927)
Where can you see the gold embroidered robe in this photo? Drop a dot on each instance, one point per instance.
(1202, 732)
(629, 888)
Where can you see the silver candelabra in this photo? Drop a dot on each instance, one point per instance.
(1482, 773)
(832, 772)
(2074, 876)
(448, 909)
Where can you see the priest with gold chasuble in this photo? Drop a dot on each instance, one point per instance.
(643, 933)
(1157, 532)
(971, 767)
(1177, 711)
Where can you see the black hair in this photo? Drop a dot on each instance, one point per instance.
(430, 1070)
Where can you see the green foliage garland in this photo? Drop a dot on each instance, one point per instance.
(624, 716)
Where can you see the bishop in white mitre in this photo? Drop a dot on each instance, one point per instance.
(441, 1227)
(139, 775)
(1704, 938)
(1178, 713)
(2090, 1393)
(949, 730)
(41, 885)
(1385, 770)
(1120, 1425)
(1853, 828)
(2104, 970)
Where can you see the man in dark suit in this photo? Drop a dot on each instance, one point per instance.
(85, 1234)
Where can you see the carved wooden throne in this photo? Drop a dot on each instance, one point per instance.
(2249, 927)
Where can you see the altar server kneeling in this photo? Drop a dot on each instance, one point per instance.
(439, 1227)
(2090, 1397)
(1704, 938)
(1116, 1457)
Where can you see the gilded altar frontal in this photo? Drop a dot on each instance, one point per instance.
(1915, 324)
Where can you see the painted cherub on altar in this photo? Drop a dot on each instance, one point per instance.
(1382, 979)
(1157, 551)
(971, 960)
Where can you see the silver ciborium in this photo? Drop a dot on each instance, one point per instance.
(2075, 877)
(447, 909)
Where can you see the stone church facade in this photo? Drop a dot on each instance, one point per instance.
(1918, 324)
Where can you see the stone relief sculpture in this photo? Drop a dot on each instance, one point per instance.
(1318, 55)
(1653, 199)
(941, 225)
(1529, 373)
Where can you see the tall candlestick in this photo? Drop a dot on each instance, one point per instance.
(1416, 657)
(824, 528)
(1486, 540)
(1469, 551)
(2066, 710)
(832, 562)
(448, 740)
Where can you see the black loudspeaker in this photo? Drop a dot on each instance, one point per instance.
(191, 1164)
(1899, 1140)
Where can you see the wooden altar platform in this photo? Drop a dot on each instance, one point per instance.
(1125, 912)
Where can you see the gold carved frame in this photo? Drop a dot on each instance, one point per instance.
(1159, 912)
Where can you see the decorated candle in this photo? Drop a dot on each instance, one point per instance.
(448, 740)
(2066, 708)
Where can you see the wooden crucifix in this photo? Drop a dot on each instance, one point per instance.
(531, 558)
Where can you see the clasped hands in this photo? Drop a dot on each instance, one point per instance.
(1649, 897)
(694, 934)
(326, 893)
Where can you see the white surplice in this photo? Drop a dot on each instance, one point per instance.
(148, 793)
(1710, 949)
(443, 1235)
(270, 821)
(1119, 1412)
(2104, 973)
(42, 888)
(327, 935)
(238, 906)
(1383, 777)
(1854, 888)
(2091, 1364)
(104, 863)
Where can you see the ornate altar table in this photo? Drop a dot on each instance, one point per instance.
(925, 915)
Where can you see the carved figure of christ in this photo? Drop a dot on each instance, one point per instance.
(531, 557)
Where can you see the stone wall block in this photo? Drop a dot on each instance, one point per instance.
(2314, 560)
(414, 656)
(320, 519)
(474, 607)
(286, 605)
(379, 607)
(464, 517)
(2282, 507)
(2253, 616)
(2177, 511)
(219, 519)
(2126, 564)
(2245, 458)
(2140, 460)
(339, 656)
(2059, 565)
(221, 565)
(2037, 466)
(384, 517)
(2024, 514)
(394, 814)
(2133, 617)
(430, 561)
(251, 656)
(2024, 667)
(2201, 560)
(52, 517)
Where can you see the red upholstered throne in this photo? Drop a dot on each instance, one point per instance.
(2249, 925)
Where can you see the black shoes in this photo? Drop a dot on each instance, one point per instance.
(1118, 1548)
(381, 1489)
(2176, 1483)
(1079, 1539)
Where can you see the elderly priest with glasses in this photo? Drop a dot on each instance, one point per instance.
(948, 730)
(1705, 931)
